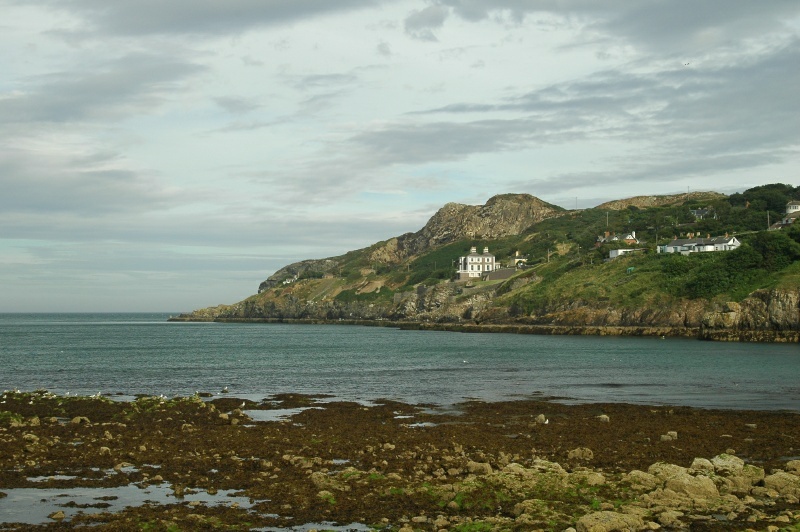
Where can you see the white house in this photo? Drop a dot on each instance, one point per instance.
(792, 213)
(476, 265)
(684, 246)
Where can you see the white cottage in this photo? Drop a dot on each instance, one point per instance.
(684, 246)
(476, 265)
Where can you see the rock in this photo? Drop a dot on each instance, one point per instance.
(105, 451)
(479, 468)
(693, 487)
(531, 507)
(702, 465)
(80, 420)
(58, 516)
(588, 478)
(727, 464)
(793, 466)
(748, 477)
(419, 519)
(786, 484)
(581, 453)
(666, 437)
(541, 419)
(609, 522)
(666, 471)
(642, 480)
(670, 518)
(31, 438)
(604, 418)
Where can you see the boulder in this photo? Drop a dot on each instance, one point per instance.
(694, 487)
(581, 453)
(727, 464)
(666, 471)
(748, 477)
(609, 522)
(702, 465)
(479, 468)
(643, 481)
(786, 484)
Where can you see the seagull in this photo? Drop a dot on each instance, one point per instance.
(242, 405)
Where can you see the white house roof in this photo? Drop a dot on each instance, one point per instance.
(702, 241)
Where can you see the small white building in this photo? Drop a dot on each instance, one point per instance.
(792, 213)
(476, 265)
(684, 246)
(614, 253)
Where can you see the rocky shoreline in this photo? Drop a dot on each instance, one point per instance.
(314, 462)
(702, 333)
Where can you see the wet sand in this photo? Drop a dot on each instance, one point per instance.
(388, 465)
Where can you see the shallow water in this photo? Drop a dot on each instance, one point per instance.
(34, 505)
(143, 354)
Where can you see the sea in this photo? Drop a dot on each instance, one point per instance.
(124, 355)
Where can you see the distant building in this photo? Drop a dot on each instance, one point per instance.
(476, 265)
(614, 253)
(702, 214)
(792, 213)
(684, 246)
(629, 238)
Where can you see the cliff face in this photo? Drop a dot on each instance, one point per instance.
(763, 316)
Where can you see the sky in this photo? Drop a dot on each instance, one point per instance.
(169, 156)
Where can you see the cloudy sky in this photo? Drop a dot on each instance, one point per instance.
(168, 156)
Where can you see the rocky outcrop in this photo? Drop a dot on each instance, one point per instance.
(503, 215)
(643, 202)
(765, 315)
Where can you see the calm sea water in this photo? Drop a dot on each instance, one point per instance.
(143, 353)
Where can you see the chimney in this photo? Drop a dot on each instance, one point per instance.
(708, 235)
(726, 234)
(607, 234)
(473, 249)
(486, 250)
(633, 234)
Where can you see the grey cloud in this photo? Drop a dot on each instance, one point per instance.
(141, 17)
(722, 117)
(323, 81)
(236, 105)
(123, 86)
(36, 183)
(384, 49)
(421, 24)
(669, 26)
